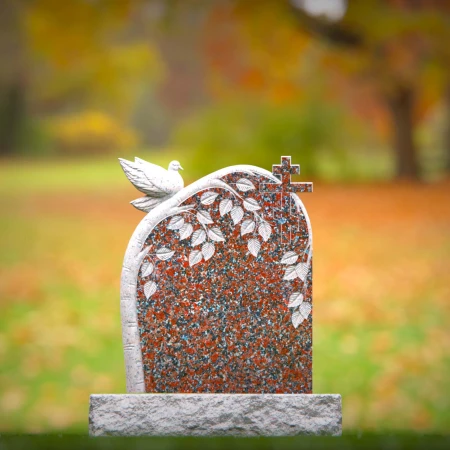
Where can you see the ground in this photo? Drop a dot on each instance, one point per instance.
(381, 296)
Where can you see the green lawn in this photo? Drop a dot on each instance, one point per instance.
(381, 313)
(409, 441)
(66, 175)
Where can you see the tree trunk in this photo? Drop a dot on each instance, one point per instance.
(447, 129)
(400, 103)
(12, 116)
(12, 76)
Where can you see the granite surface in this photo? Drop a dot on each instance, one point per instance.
(214, 415)
(224, 293)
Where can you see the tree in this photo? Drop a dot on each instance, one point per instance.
(394, 46)
(13, 76)
(394, 41)
(62, 57)
(447, 130)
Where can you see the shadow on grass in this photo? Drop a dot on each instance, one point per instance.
(391, 441)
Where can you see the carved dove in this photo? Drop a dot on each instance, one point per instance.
(158, 183)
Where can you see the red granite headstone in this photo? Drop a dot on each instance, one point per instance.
(224, 293)
(216, 307)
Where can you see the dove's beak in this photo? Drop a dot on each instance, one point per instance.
(181, 168)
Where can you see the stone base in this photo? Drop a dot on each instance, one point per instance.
(215, 414)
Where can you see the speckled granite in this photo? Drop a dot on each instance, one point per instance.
(224, 293)
(214, 415)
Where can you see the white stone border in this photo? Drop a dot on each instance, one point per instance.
(135, 254)
(215, 414)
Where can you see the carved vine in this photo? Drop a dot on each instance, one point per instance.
(208, 234)
(301, 309)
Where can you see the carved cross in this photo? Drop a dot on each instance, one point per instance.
(287, 223)
(284, 171)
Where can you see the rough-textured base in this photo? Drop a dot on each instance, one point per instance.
(214, 414)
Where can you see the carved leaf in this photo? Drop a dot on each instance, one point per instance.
(297, 318)
(265, 230)
(305, 309)
(245, 185)
(295, 299)
(147, 269)
(247, 226)
(208, 197)
(250, 204)
(302, 270)
(164, 253)
(290, 273)
(198, 237)
(150, 288)
(186, 230)
(204, 217)
(289, 258)
(225, 206)
(254, 246)
(176, 223)
(208, 250)
(237, 213)
(215, 234)
(195, 257)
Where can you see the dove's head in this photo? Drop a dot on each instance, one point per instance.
(175, 165)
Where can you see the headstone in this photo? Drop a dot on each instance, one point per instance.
(216, 304)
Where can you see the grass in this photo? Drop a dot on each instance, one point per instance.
(67, 175)
(381, 338)
(347, 441)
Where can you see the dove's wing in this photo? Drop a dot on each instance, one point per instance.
(148, 166)
(147, 203)
(148, 178)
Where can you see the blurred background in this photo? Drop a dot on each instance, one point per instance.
(358, 92)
